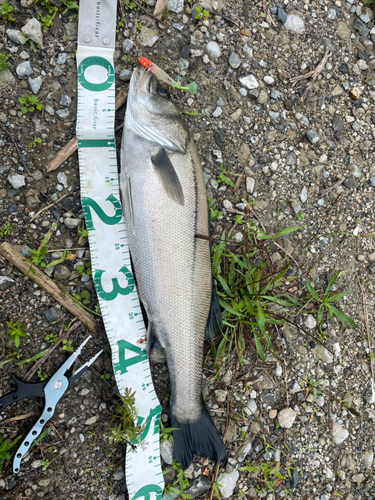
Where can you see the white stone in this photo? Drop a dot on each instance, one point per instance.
(303, 195)
(16, 181)
(228, 483)
(269, 80)
(166, 451)
(218, 111)
(295, 24)
(92, 420)
(286, 418)
(339, 433)
(213, 49)
(310, 322)
(33, 30)
(249, 81)
(250, 184)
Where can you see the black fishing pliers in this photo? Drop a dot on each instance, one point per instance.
(51, 390)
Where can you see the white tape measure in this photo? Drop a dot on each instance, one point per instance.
(110, 257)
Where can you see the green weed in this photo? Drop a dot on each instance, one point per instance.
(201, 13)
(179, 484)
(42, 377)
(67, 345)
(122, 428)
(37, 140)
(3, 62)
(6, 451)
(29, 104)
(84, 269)
(16, 331)
(214, 213)
(6, 11)
(37, 256)
(223, 178)
(270, 471)
(5, 230)
(46, 20)
(51, 339)
(166, 433)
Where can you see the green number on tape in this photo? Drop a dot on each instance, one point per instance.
(116, 287)
(95, 61)
(153, 412)
(123, 364)
(107, 219)
(146, 490)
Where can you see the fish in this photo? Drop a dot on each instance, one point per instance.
(163, 192)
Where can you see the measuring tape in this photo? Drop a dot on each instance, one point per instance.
(110, 259)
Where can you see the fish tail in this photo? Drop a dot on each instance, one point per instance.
(200, 438)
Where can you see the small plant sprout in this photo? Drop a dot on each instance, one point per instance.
(166, 433)
(67, 345)
(6, 11)
(42, 377)
(179, 484)
(29, 104)
(201, 13)
(16, 331)
(5, 230)
(37, 140)
(122, 427)
(51, 339)
(3, 62)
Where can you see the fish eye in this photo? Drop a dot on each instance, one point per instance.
(163, 92)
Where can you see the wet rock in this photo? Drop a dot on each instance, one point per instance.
(281, 15)
(286, 418)
(16, 36)
(127, 45)
(61, 272)
(16, 180)
(24, 69)
(148, 37)
(213, 49)
(228, 483)
(166, 451)
(52, 314)
(35, 84)
(33, 30)
(249, 81)
(295, 24)
(339, 433)
(198, 486)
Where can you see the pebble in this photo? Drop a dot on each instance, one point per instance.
(242, 92)
(175, 6)
(220, 395)
(166, 451)
(372, 180)
(337, 123)
(33, 30)
(148, 37)
(43, 481)
(92, 420)
(62, 113)
(238, 237)
(269, 80)
(228, 483)
(313, 136)
(234, 60)
(49, 109)
(339, 433)
(35, 84)
(127, 45)
(118, 475)
(218, 111)
(368, 458)
(272, 414)
(303, 195)
(61, 58)
(310, 322)
(286, 418)
(213, 49)
(243, 450)
(24, 69)
(295, 24)
(362, 64)
(125, 75)
(281, 15)
(198, 486)
(249, 81)
(251, 407)
(16, 36)
(61, 272)
(16, 180)
(250, 184)
(274, 115)
(65, 100)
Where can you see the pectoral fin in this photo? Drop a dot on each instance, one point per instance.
(168, 177)
(127, 191)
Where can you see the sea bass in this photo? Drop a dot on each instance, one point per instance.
(164, 195)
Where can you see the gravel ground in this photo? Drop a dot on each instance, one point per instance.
(283, 153)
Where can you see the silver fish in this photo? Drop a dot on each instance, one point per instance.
(163, 190)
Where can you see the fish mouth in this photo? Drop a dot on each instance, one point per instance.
(144, 83)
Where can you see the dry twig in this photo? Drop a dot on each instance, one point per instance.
(312, 74)
(6, 131)
(48, 206)
(48, 285)
(331, 188)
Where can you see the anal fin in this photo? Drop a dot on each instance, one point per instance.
(214, 321)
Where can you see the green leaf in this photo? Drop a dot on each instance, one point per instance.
(312, 290)
(283, 232)
(338, 296)
(230, 309)
(332, 281)
(344, 318)
(258, 346)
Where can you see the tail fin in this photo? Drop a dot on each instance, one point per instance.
(200, 438)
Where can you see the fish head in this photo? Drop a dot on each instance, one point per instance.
(151, 115)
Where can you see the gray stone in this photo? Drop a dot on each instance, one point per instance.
(61, 272)
(92, 420)
(281, 15)
(286, 418)
(372, 180)
(6, 283)
(361, 27)
(339, 433)
(125, 75)
(72, 223)
(337, 123)
(242, 92)
(362, 65)
(343, 30)
(331, 15)
(65, 100)
(243, 450)
(323, 354)
(166, 451)
(218, 111)
(295, 24)
(52, 314)
(43, 481)
(234, 60)
(127, 45)
(198, 486)
(61, 58)
(250, 184)
(35, 84)
(269, 80)
(220, 395)
(249, 81)
(6, 78)
(49, 109)
(368, 458)
(24, 69)
(213, 49)
(148, 37)
(303, 195)
(16, 36)
(371, 267)
(296, 207)
(33, 30)
(274, 115)
(176, 6)
(118, 475)
(251, 407)
(62, 113)
(228, 483)
(310, 322)
(16, 180)
(313, 136)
